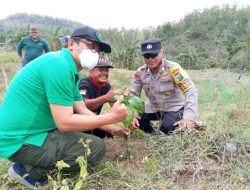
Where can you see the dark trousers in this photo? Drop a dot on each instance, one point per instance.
(100, 133)
(167, 120)
(40, 161)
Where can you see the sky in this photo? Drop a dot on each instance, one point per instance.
(114, 13)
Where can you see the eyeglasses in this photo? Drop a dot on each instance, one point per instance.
(150, 55)
(94, 47)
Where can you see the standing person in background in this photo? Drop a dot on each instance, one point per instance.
(97, 91)
(33, 45)
(43, 115)
(173, 98)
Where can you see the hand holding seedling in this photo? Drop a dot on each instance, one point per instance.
(134, 104)
(134, 125)
(119, 110)
(120, 131)
(110, 95)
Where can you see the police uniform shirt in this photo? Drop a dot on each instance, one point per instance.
(169, 90)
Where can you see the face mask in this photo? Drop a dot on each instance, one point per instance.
(88, 59)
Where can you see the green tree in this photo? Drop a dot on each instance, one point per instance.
(52, 36)
(125, 47)
(13, 36)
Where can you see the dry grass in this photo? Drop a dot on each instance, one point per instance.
(195, 160)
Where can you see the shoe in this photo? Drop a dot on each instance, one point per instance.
(18, 172)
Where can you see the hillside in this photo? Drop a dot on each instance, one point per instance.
(218, 37)
(44, 22)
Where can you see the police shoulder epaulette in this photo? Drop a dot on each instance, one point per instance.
(180, 77)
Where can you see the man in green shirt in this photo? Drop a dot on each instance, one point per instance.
(34, 46)
(42, 115)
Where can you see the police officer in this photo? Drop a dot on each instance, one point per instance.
(172, 96)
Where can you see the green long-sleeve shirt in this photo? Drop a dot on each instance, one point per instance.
(33, 49)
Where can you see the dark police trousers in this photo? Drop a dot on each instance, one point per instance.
(167, 120)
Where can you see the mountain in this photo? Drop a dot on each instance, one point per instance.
(43, 22)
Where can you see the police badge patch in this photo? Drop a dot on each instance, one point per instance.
(181, 79)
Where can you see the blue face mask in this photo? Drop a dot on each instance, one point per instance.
(88, 59)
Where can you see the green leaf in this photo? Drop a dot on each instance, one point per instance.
(137, 104)
(130, 117)
(83, 166)
(138, 133)
(61, 164)
(132, 104)
(116, 97)
(125, 100)
(78, 185)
